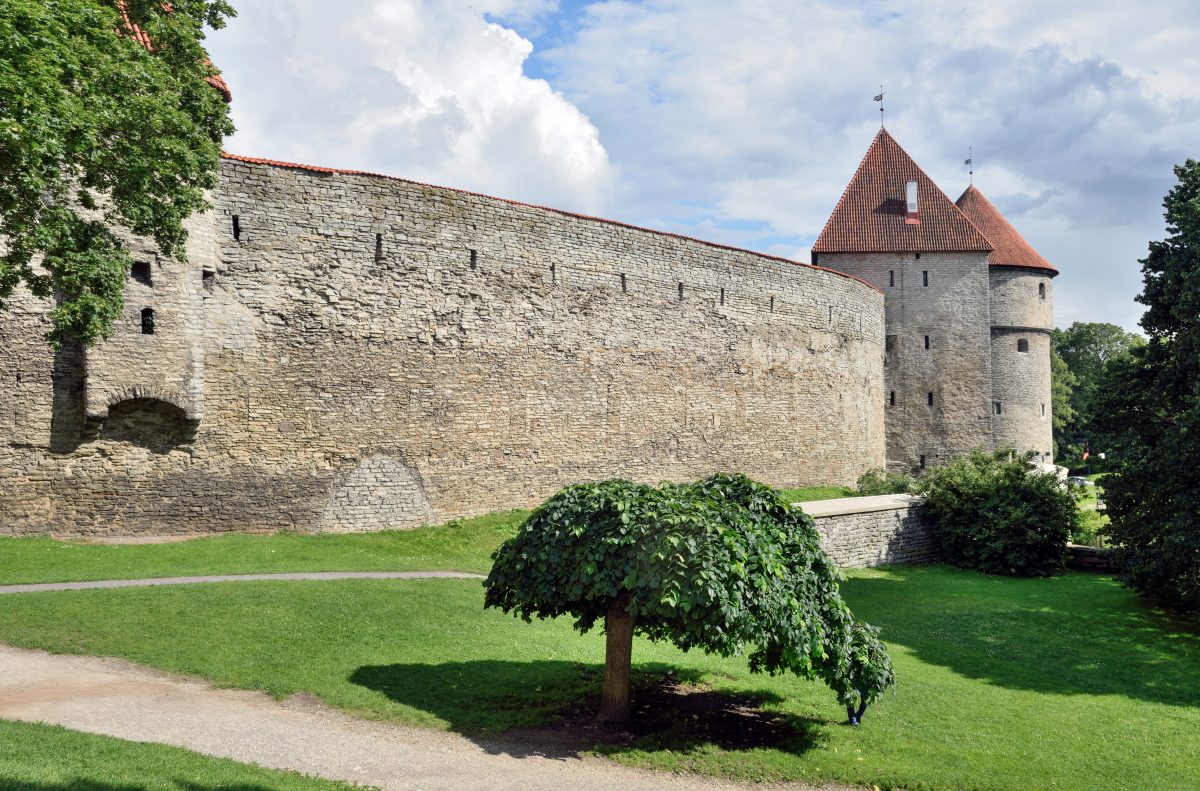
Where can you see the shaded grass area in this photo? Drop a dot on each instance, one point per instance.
(461, 545)
(48, 758)
(809, 493)
(1065, 682)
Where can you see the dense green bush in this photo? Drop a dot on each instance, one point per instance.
(725, 565)
(996, 513)
(879, 481)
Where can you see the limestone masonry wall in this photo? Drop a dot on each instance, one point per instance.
(942, 297)
(371, 353)
(862, 532)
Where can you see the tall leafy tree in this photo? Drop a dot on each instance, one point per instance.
(1149, 415)
(107, 120)
(1086, 347)
(1062, 388)
(725, 565)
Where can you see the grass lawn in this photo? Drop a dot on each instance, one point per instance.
(1066, 682)
(810, 493)
(1092, 521)
(462, 545)
(49, 758)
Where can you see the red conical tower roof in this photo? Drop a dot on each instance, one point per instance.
(1010, 248)
(870, 217)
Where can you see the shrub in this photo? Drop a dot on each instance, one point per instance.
(996, 513)
(725, 565)
(878, 481)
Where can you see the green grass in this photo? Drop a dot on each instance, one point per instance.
(809, 493)
(1066, 682)
(49, 758)
(1092, 522)
(463, 545)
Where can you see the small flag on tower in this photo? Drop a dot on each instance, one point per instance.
(967, 161)
(878, 97)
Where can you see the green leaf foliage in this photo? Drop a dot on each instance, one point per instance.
(880, 481)
(1149, 416)
(99, 131)
(996, 513)
(725, 565)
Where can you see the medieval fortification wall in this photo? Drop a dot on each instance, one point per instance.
(367, 353)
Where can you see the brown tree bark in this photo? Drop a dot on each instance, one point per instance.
(618, 657)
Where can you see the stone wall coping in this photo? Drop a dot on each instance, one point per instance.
(858, 505)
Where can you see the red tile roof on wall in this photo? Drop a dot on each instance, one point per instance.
(564, 212)
(140, 36)
(1011, 249)
(870, 217)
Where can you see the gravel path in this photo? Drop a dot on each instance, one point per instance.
(116, 698)
(314, 575)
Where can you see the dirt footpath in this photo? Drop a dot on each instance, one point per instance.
(116, 698)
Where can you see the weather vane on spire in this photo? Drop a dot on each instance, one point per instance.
(879, 99)
(970, 163)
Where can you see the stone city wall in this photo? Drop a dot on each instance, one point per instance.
(369, 353)
(860, 532)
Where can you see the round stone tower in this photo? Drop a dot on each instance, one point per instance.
(1022, 318)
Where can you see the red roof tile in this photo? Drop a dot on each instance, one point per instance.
(870, 217)
(141, 37)
(1011, 249)
(564, 212)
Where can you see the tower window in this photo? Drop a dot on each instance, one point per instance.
(681, 292)
(722, 296)
(997, 408)
(922, 461)
(140, 271)
(1023, 346)
(207, 278)
(929, 399)
(147, 321)
(237, 228)
(1043, 410)
(892, 277)
(925, 277)
(378, 247)
(892, 398)
(926, 341)
(1041, 291)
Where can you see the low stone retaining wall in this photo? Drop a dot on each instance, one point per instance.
(1087, 558)
(859, 532)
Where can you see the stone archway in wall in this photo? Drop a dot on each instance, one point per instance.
(151, 423)
(380, 493)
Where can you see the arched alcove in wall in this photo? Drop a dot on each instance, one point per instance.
(149, 423)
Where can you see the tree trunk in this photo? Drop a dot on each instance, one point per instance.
(618, 656)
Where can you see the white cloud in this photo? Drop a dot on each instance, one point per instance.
(427, 90)
(742, 122)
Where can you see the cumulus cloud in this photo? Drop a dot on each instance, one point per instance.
(433, 91)
(742, 122)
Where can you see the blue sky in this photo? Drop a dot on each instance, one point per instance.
(742, 122)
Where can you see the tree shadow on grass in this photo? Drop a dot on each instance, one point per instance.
(548, 709)
(1079, 633)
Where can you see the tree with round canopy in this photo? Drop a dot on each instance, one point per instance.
(725, 565)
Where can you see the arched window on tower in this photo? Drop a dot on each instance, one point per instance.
(1023, 346)
(147, 321)
(1042, 291)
